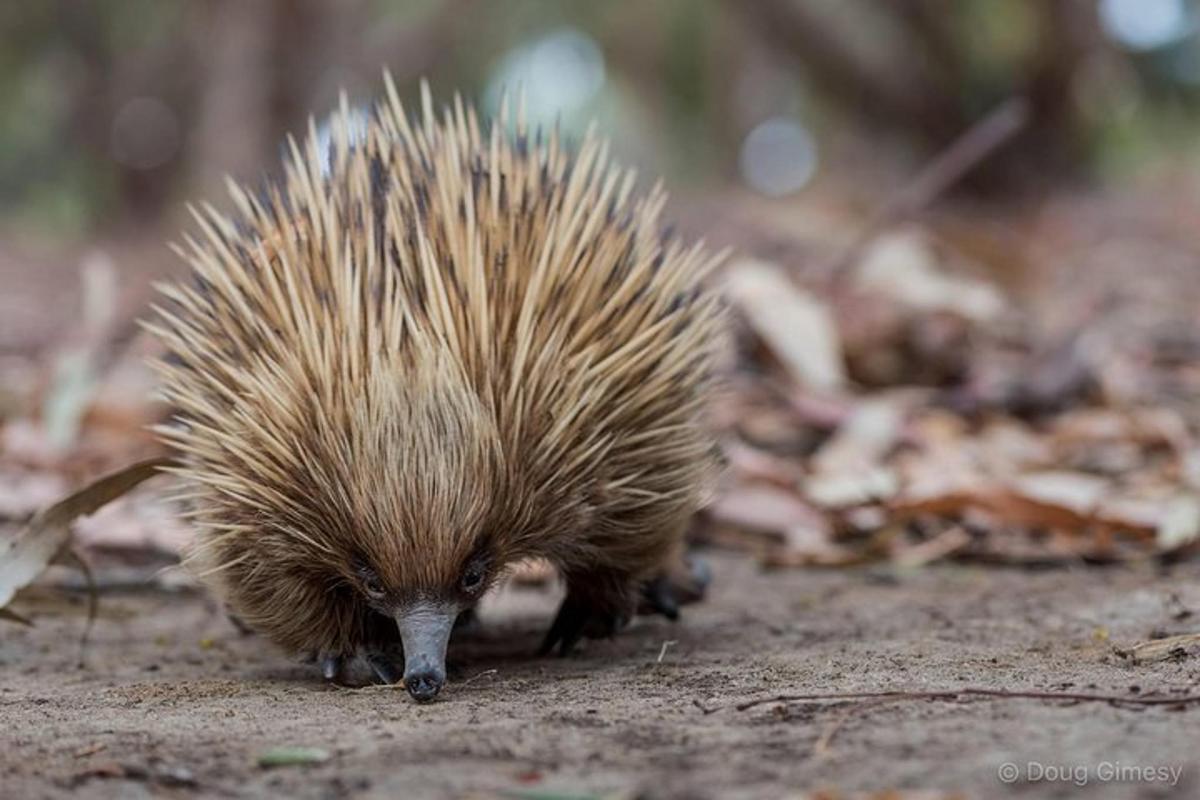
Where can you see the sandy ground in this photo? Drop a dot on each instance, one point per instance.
(174, 702)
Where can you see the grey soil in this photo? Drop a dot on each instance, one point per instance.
(175, 702)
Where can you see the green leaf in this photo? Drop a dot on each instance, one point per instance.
(292, 757)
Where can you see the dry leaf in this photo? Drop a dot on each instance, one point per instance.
(845, 489)
(1180, 523)
(766, 509)
(755, 464)
(849, 469)
(24, 557)
(866, 437)
(904, 266)
(1162, 649)
(12, 616)
(940, 546)
(1075, 492)
(796, 326)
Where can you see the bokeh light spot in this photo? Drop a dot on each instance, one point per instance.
(145, 133)
(1145, 24)
(558, 73)
(778, 157)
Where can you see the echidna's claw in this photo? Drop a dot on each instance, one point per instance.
(701, 576)
(383, 667)
(236, 621)
(566, 629)
(677, 586)
(331, 666)
(658, 597)
(576, 619)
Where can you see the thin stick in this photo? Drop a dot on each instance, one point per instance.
(70, 557)
(474, 678)
(950, 695)
(821, 748)
(964, 154)
(663, 652)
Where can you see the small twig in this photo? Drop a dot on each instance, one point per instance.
(663, 652)
(951, 695)
(474, 678)
(822, 745)
(400, 684)
(372, 687)
(70, 556)
(965, 153)
(90, 750)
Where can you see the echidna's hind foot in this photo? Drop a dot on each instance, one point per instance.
(574, 621)
(588, 613)
(678, 585)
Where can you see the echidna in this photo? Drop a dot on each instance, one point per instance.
(434, 348)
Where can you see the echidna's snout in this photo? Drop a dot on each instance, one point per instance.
(425, 631)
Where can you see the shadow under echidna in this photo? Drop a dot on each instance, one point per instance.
(428, 352)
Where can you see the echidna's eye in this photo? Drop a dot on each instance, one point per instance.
(371, 585)
(472, 579)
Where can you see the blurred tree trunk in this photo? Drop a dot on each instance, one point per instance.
(1068, 33)
(899, 95)
(927, 93)
(266, 66)
(234, 78)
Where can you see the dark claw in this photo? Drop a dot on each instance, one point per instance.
(658, 597)
(242, 628)
(331, 666)
(566, 629)
(384, 669)
(681, 585)
(701, 575)
(576, 620)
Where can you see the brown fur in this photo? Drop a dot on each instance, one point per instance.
(456, 342)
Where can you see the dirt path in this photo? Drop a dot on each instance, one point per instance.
(175, 703)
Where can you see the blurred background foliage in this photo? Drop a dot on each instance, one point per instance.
(112, 112)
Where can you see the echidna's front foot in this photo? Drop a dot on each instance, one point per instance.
(676, 586)
(581, 616)
(331, 666)
(379, 649)
(658, 597)
(334, 667)
(384, 666)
